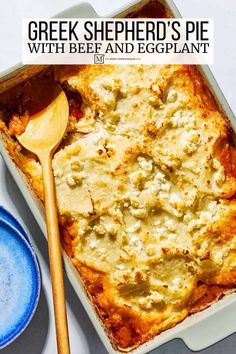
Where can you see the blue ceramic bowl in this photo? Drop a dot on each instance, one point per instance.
(7, 216)
(19, 283)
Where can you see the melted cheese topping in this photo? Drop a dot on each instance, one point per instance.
(147, 174)
(141, 182)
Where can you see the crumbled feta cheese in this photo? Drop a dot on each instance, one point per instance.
(170, 224)
(183, 119)
(217, 254)
(150, 300)
(216, 163)
(139, 213)
(145, 164)
(192, 142)
(172, 96)
(219, 176)
(150, 251)
(188, 217)
(99, 229)
(176, 201)
(111, 229)
(93, 244)
(137, 177)
(159, 176)
(75, 178)
(134, 200)
(83, 226)
(76, 165)
(58, 173)
(134, 227)
(154, 101)
(120, 266)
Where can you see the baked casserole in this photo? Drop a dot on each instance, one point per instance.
(145, 180)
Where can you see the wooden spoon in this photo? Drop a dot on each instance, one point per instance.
(42, 135)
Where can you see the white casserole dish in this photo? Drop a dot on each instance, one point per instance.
(197, 331)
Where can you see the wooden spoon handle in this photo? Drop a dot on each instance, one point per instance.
(55, 258)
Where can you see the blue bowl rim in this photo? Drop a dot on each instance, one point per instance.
(37, 281)
(21, 229)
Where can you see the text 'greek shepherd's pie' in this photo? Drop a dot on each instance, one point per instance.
(145, 180)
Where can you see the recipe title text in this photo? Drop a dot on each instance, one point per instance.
(120, 41)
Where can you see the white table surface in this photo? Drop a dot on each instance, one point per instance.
(39, 337)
